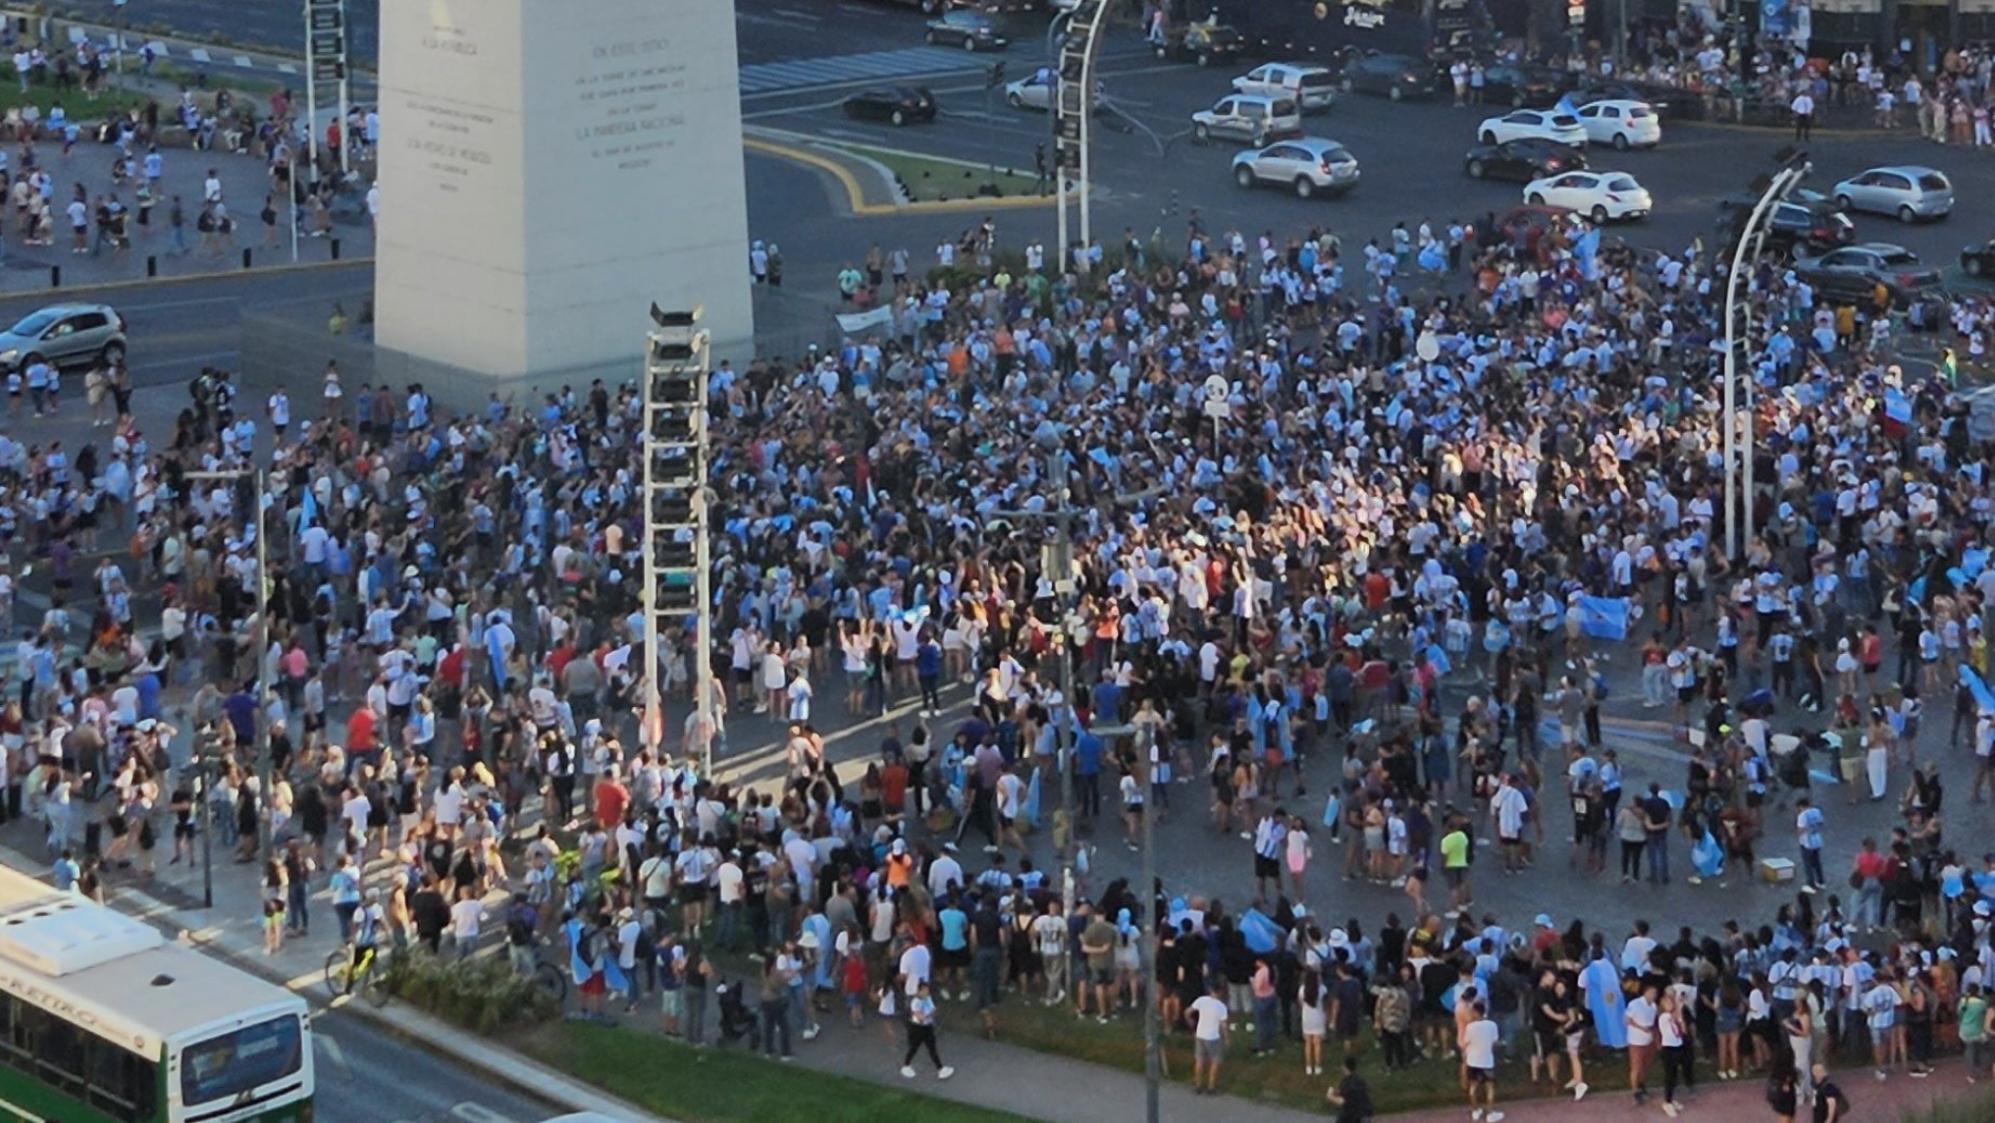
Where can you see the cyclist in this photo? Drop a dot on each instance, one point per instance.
(369, 920)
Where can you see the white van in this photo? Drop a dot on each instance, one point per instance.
(1311, 87)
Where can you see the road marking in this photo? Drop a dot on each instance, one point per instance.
(792, 13)
(182, 303)
(287, 68)
(243, 61)
(335, 1052)
(473, 1113)
(200, 54)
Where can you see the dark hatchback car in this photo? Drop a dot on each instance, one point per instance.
(1522, 160)
(893, 104)
(1796, 225)
(1518, 86)
(1978, 261)
(1393, 76)
(969, 29)
(1854, 272)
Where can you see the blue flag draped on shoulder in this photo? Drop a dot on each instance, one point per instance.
(1604, 1001)
(1604, 618)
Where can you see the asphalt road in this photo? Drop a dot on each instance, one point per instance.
(367, 1076)
(267, 24)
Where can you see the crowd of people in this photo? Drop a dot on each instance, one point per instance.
(1372, 580)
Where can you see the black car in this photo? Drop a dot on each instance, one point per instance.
(1202, 43)
(1854, 272)
(1393, 76)
(969, 29)
(1535, 86)
(1978, 261)
(1522, 160)
(1796, 224)
(895, 104)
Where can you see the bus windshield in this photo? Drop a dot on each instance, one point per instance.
(241, 1060)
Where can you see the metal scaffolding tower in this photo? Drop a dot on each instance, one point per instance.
(677, 564)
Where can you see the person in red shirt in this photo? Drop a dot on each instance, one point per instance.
(611, 797)
(360, 731)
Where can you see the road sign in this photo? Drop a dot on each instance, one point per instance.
(1217, 391)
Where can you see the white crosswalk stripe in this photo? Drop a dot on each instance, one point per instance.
(768, 77)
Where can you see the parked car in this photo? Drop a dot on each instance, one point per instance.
(1794, 225)
(1393, 76)
(1854, 272)
(1978, 261)
(64, 335)
(1250, 117)
(1667, 101)
(1307, 165)
(1202, 43)
(894, 104)
(1311, 87)
(1545, 124)
(969, 29)
(1622, 123)
(1601, 196)
(1522, 160)
(1910, 191)
(1518, 86)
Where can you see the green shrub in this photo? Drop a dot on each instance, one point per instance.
(483, 994)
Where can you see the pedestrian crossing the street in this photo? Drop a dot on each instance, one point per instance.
(773, 77)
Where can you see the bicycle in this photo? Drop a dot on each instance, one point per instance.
(350, 968)
(551, 980)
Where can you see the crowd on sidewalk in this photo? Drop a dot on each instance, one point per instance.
(1495, 451)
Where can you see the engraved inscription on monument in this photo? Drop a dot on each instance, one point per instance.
(452, 138)
(621, 95)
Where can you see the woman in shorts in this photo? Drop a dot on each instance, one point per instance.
(276, 888)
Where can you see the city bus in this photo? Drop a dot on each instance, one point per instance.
(104, 1020)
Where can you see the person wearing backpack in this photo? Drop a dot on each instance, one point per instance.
(1831, 1104)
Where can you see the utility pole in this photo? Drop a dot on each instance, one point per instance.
(1058, 561)
(1153, 1046)
(262, 634)
(1073, 111)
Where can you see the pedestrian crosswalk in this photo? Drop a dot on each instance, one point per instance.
(772, 77)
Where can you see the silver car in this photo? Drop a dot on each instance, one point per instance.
(1253, 118)
(1909, 191)
(65, 335)
(1306, 165)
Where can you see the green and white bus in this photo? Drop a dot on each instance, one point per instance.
(104, 1020)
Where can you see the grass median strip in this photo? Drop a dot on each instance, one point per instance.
(930, 179)
(725, 1085)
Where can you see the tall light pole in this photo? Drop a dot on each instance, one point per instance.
(677, 562)
(1073, 111)
(262, 633)
(1745, 257)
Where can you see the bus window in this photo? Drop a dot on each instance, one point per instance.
(61, 1052)
(123, 1085)
(241, 1060)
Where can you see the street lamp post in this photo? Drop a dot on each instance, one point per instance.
(1745, 256)
(1073, 108)
(262, 633)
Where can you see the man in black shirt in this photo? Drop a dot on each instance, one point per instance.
(1351, 1096)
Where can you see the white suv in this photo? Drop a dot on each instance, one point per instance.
(1311, 87)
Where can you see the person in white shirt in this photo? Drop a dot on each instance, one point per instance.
(1207, 1015)
(465, 917)
(1640, 1020)
(1478, 1046)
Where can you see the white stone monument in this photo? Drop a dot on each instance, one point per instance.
(548, 170)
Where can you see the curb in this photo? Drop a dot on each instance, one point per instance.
(514, 1070)
(855, 193)
(189, 278)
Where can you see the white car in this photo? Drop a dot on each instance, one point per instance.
(1311, 87)
(1544, 124)
(1601, 196)
(1248, 117)
(1623, 124)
